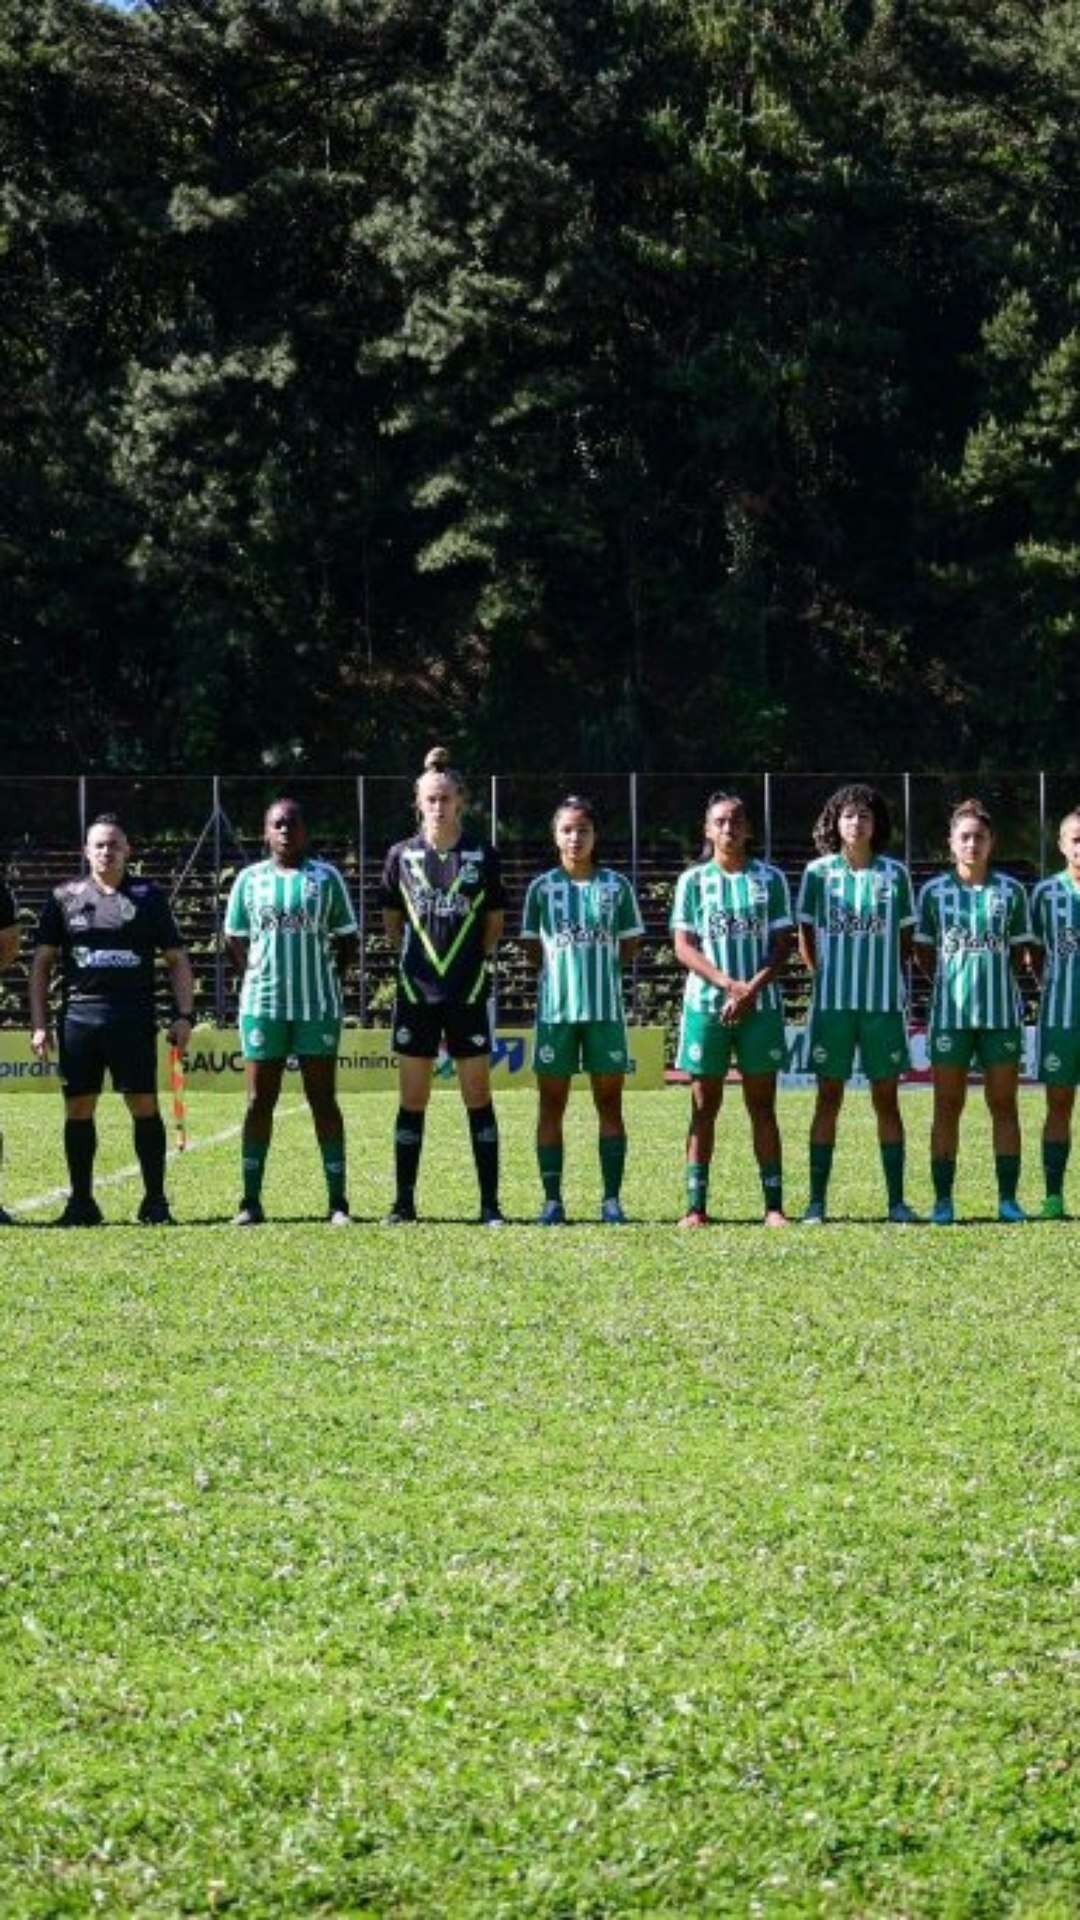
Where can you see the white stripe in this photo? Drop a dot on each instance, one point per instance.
(134, 1172)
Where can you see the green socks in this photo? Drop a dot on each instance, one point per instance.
(772, 1186)
(253, 1162)
(612, 1163)
(892, 1160)
(943, 1173)
(550, 1161)
(821, 1159)
(697, 1186)
(333, 1159)
(1055, 1158)
(1008, 1174)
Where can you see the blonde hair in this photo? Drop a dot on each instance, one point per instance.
(437, 760)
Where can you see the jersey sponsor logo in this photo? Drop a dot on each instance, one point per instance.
(105, 957)
(283, 920)
(567, 935)
(724, 925)
(854, 920)
(965, 940)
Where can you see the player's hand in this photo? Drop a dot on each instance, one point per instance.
(179, 1033)
(39, 1043)
(739, 1001)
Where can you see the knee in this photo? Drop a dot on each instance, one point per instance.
(830, 1096)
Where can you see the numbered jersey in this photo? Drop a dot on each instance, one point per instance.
(445, 898)
(1055, 923)
(974, 930)
(580, 925)
(735, 917)
(857, 914)
(108, 939)
(290, 915)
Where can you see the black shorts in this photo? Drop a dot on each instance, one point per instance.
(125, 1044)
(420, 1026)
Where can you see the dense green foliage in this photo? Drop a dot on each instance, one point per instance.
(560, 1575)
(519, 367)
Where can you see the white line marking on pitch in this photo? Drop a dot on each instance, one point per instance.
(39, 1200)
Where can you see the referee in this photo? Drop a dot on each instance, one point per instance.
(9, 948)
(106, 929)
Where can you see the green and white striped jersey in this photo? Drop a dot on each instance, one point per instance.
(974, 930)
(290, 915)
(857, 914)
(580, 925)
(734, 916)
(1055, 922)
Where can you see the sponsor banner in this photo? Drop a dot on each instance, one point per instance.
(367, 1062)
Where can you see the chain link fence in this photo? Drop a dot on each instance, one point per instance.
(192, 833)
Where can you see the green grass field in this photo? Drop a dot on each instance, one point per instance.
(440, 1572)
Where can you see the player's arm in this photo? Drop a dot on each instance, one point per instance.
(182, 981)
(9, 931)
(1022, 935)
(394, 926)
(493, 930)
(926, 935)
(1037, 949)
(41, 969)
(630, 927)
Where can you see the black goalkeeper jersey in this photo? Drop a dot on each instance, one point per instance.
(445, 898)
(108, 942)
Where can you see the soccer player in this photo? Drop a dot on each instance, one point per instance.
(1055, 919)
(289, 924)
(442, 901)
(856, 916)
(973, 935)
(733, 933)
(106, 929)
(581, 922)
(9, 948)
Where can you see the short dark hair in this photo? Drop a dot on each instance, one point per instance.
(107, 820)
(722, 796)
(827, 824)
(284, 800)
(574, 803)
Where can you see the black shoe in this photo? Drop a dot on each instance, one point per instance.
(155, 1213)
(250, 1214)
(5, 1218)
(338, 1213)
(492, 1216)
(80, 1213)
(401, 1214)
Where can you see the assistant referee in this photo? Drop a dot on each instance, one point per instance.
(106, 929)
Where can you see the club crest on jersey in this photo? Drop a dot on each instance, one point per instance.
(546, 1054)
(469, 873)
(1052, 1062)
(695, 1051)
(257, 1037)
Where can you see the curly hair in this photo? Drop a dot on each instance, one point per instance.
(827, 824)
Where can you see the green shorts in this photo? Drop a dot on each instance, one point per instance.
(880, 1038)
(263, 1039)
(706, 1045)
(987, 1046)
(564, 1047)
(1059, 1056)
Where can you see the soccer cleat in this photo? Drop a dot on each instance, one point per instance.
(551, 1214)
(492, 1216)
(5, 1218)
(250, 1214)
(80, 1213)
(815, 1214)
(401, 1214)
(695, 1217)
(944, 1214)
(155, 1213)
(776, 1217)
(611, 1212)
(903, 1216)
(339, 1215)
(1053, 1207)
(1011, 1213)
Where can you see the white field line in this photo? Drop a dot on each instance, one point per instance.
(39, 1200)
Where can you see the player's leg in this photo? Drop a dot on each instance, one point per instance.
(832, 1052)
(607, 1092)
(1059, 1071)
(263, 1079)
(318, 1071)
(474, 1079)
(759, 1098)
(415, 1071)
(950, 1095)
(131, 1053)
(1000, 1082)
(553, 1090)
(884, 1053)
(706, 1099)
(82, 1075)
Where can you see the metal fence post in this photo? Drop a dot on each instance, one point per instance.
(1042, 824)
(82, 819)
(766, 812)
(361, 891)
(907, 820)
(219, 944)
(495, 967)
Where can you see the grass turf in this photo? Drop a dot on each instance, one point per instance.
(437, 1571)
